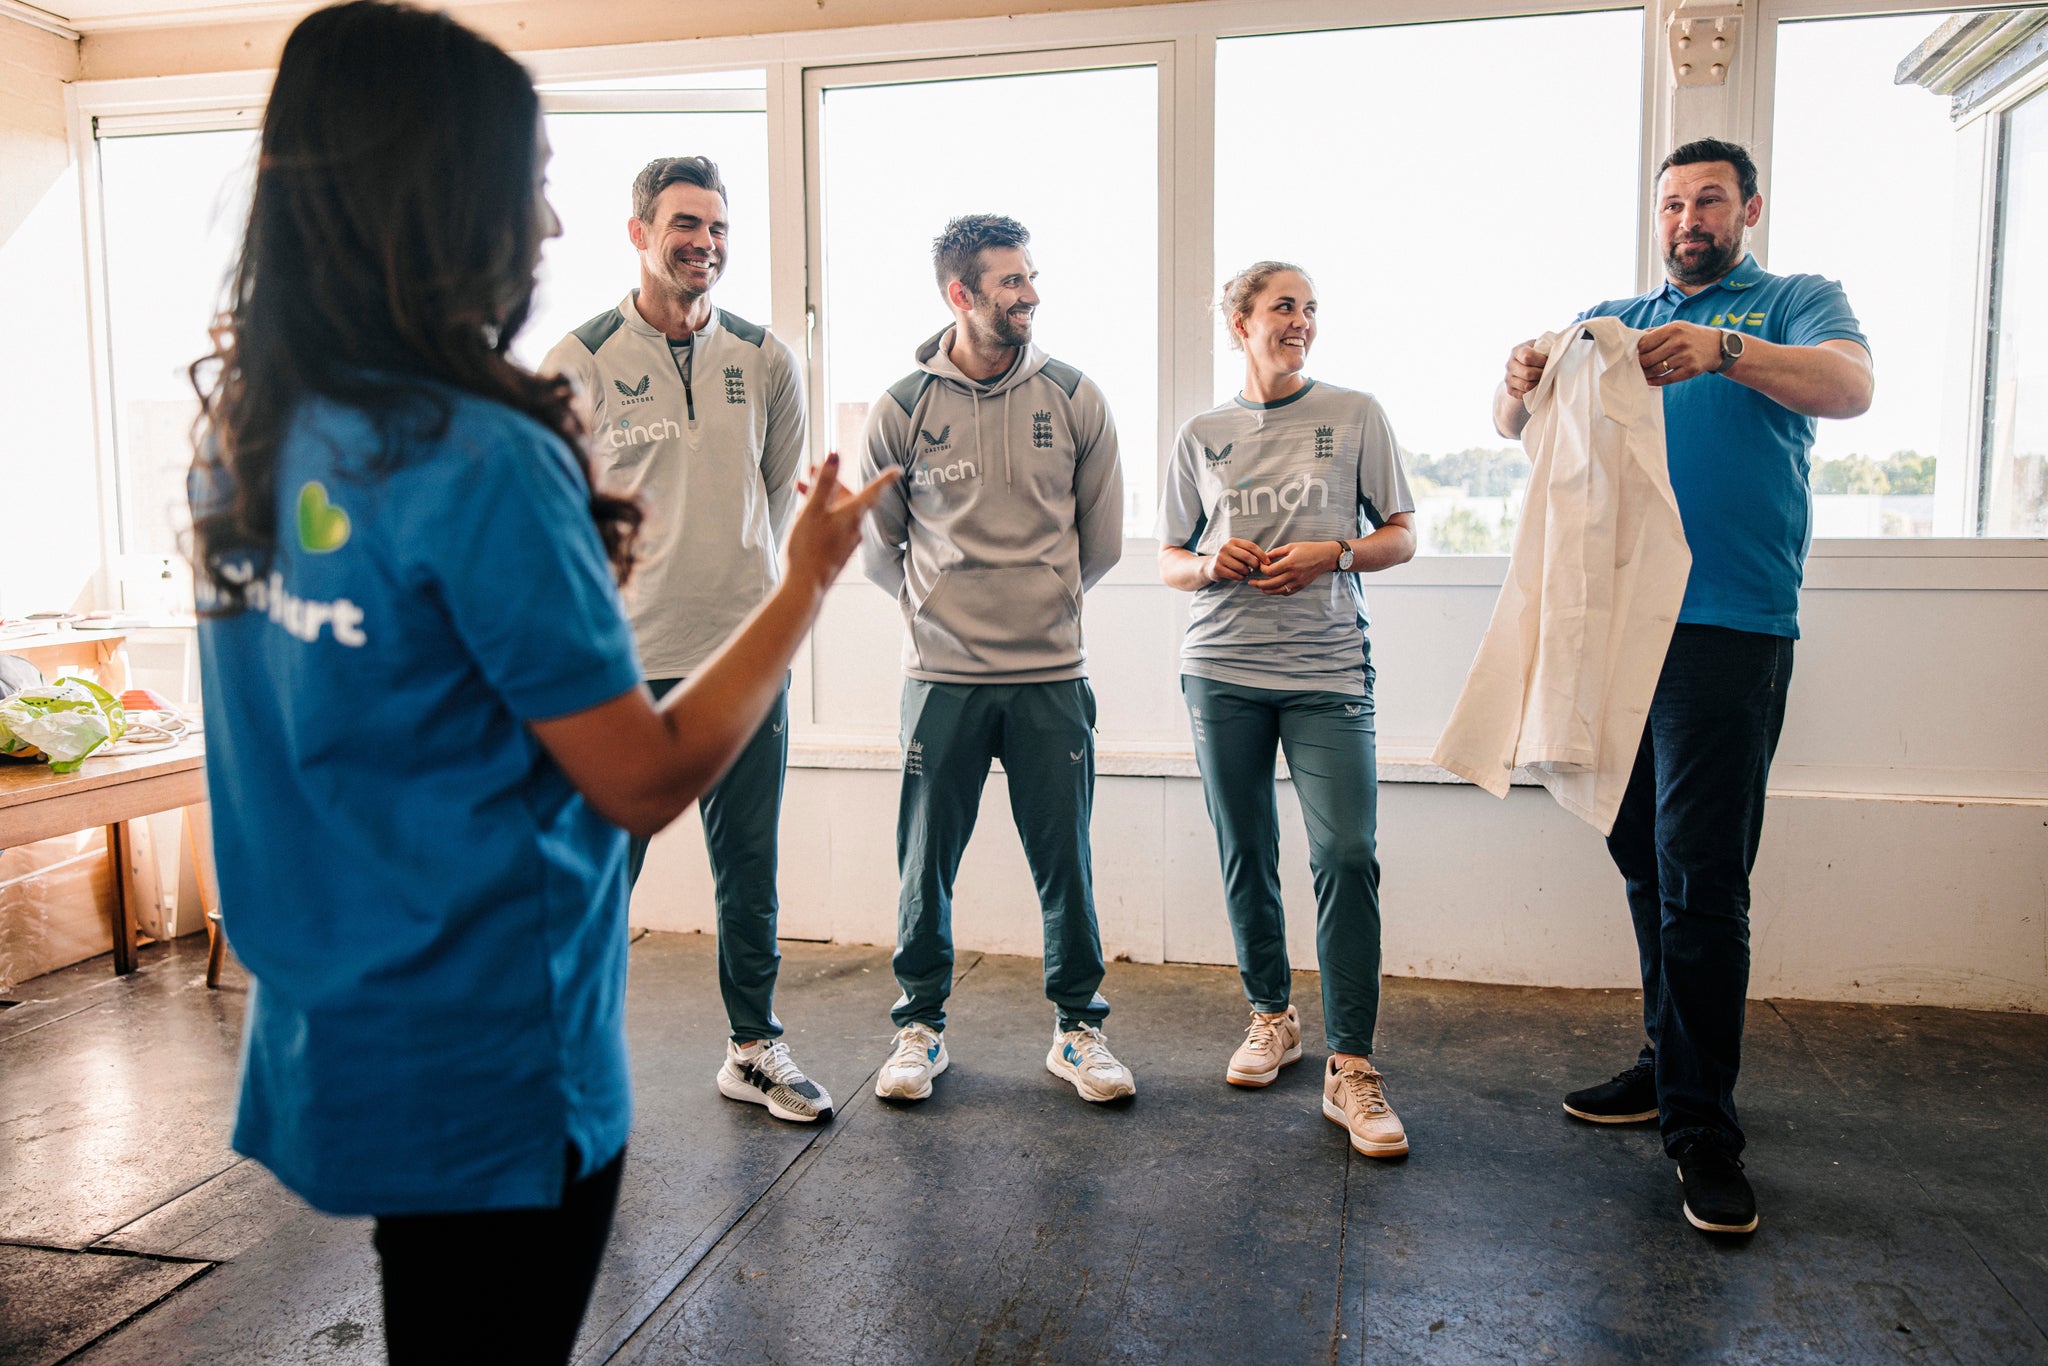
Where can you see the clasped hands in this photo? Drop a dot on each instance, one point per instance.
(1279, 572)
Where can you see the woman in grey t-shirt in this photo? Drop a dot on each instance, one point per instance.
(1274, 504)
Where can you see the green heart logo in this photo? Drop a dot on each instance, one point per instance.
(323, 527)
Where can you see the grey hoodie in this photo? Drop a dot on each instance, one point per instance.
(1010, 507)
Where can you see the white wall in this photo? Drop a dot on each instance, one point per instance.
(1905, 856)
(50, 548)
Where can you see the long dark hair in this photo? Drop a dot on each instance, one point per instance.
(392, 240)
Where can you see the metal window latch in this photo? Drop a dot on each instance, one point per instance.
(1702, 38)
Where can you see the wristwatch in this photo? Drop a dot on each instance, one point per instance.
(1343, 557)
(1731, 349)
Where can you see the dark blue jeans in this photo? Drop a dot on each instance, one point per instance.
(1685, 841)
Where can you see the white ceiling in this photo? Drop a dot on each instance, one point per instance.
(90, 16)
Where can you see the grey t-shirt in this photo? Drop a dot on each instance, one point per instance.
(1319, 465)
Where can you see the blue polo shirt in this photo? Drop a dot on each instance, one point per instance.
(1738, 459)
(433, 915)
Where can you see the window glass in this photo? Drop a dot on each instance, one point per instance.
(1452, 189)
(591, 266)
(1073, 156)
(1869, 181)
(2015, 497)
(175, 207)
(183, 197)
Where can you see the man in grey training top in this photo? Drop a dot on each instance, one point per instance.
(700, 413)
(1011, 506)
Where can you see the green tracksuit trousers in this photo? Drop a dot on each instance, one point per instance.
(742, 816)
(1045, 735)
(1328, 738)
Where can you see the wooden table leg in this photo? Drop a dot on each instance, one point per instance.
(123, 916)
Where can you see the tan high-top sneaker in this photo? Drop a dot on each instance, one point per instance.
(1269, 1044)
(1356, 1098)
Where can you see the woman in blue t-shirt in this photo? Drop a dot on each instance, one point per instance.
(427, 725)
(1275, 502)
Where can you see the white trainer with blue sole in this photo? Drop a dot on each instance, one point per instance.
(1082, 1057)
(918, 1055)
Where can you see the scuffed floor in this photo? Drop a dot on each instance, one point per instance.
(1896, 1154)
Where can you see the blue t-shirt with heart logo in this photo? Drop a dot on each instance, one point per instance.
(433, 915)
(1738, 460)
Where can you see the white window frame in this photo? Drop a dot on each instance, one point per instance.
(799, 65)
(818, 80)
(1752, 107)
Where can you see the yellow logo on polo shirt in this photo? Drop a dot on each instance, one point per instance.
(1737, 320)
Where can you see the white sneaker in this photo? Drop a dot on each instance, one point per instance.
(1082, 1057)
(920, 1055)
(763, 1073)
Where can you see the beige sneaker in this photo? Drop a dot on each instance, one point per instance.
(1357, 1099)
(1270, 1044)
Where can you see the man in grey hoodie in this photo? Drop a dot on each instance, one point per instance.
(1011, 506)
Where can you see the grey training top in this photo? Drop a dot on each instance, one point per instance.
(1318, 465)
(713, 451)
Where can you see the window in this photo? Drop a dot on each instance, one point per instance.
(175, 206)
(1375, 159)
(2015, 497)
(1878, 210)
(1073, 155)
(183, 197)
(596, 154)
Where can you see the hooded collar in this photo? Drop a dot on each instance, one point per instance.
(934, 357)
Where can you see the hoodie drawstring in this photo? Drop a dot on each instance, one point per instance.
(1006, 439)
(980, 458)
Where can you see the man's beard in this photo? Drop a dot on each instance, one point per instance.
(1718, 261)
(1007, 329)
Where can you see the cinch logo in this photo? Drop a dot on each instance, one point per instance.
(1737, 320)
(624, 433)
(735, 384)
(1326, 443)
(1218, 457)
(1290, 494)
(925, 476)
(639, 393)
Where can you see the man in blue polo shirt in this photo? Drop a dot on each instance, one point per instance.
(1747, 361)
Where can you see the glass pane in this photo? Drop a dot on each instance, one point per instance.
(1877, 211)
(591, 265)
(1373, 158)
(2015, 499)
(175, 206)
(897, 161)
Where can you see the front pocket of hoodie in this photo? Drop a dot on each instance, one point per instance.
(997, 621)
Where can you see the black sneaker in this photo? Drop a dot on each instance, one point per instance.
(1717, 1195)
(1628, 1099)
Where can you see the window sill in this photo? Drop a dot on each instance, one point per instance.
(1955, 563)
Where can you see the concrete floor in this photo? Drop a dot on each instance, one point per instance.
(1896, 1154)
